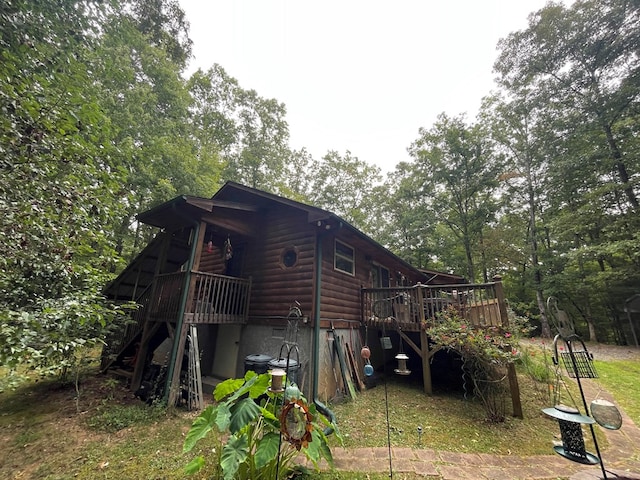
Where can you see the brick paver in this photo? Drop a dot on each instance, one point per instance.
(621, 459)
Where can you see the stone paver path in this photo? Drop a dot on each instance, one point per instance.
(621, 459)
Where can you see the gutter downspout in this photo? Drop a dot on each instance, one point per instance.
(316, 338)
(183, 303)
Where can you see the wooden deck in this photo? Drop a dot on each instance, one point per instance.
(409, 308)
(211, 299)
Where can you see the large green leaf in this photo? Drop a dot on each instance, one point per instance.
(233, 454)
(233, 389)
(194, 466)
(318, 449)
(224, 417)
(260, 386)
(226, 388)
(200, 427)
(243, 413)
(267, 449)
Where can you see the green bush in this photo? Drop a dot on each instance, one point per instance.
(485, 351)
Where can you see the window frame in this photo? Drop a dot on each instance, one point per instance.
(378, 275)
(283, 256)
(346, 258)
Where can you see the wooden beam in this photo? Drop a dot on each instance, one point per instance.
(410, 342)
(426, 363)
(515, 391)
(174, 386)
(236, 226)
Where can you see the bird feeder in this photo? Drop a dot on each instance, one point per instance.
(277, 377)
(571, 421)
(606, 414)
(402, 369)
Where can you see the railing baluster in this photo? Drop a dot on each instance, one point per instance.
(478, 304)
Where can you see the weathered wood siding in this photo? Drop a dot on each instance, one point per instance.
(212, 262)
(276, 287)
(341, 291)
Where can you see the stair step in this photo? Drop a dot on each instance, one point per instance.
(122, 373)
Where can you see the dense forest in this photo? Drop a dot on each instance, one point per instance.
(99, 122)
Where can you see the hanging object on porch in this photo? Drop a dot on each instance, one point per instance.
(402, 369)
(385, 340)
(365, 353)
(402, 358)
(228, 249)
(210, 244)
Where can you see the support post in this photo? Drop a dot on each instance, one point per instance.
(515, 391)
(511, 368)
(426, 362)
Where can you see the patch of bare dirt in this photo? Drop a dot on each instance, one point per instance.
(601, 351)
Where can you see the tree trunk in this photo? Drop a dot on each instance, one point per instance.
(590, 324)
(621, 168)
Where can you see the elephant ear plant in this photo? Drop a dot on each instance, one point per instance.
(248, 416)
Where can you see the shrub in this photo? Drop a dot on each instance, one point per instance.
(485, 353)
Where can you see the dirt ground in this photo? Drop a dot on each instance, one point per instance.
(600, 351)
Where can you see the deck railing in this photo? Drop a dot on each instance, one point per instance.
(213, 299)
(219, 299)
(119, 339)
(166, 296)
(480, 304)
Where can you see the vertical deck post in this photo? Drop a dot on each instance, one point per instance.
(172, 387)
(426, 361)
(424, 346)
(511, 369)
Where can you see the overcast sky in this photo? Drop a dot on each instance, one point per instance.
(362, 76)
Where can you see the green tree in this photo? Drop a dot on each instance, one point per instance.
(581, 63)
(460, 174)
(57, 187)
(586, 55)
(343, 184)
(250, 131)
(520, 129)
(406, 221)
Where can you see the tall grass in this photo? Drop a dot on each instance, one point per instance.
(621, 379)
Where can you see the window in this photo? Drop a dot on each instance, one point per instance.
(380, 276)
(344, 258)
(289, 257)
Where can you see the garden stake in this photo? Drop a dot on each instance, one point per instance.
(386, 345)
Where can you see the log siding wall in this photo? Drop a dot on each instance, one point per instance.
(276, 287)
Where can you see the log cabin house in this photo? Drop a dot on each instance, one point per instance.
(258, 278)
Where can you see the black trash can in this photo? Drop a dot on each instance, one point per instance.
(257, 363)
(293, 368)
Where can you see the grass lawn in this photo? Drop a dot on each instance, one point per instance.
(622, 379)
(114, 436)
